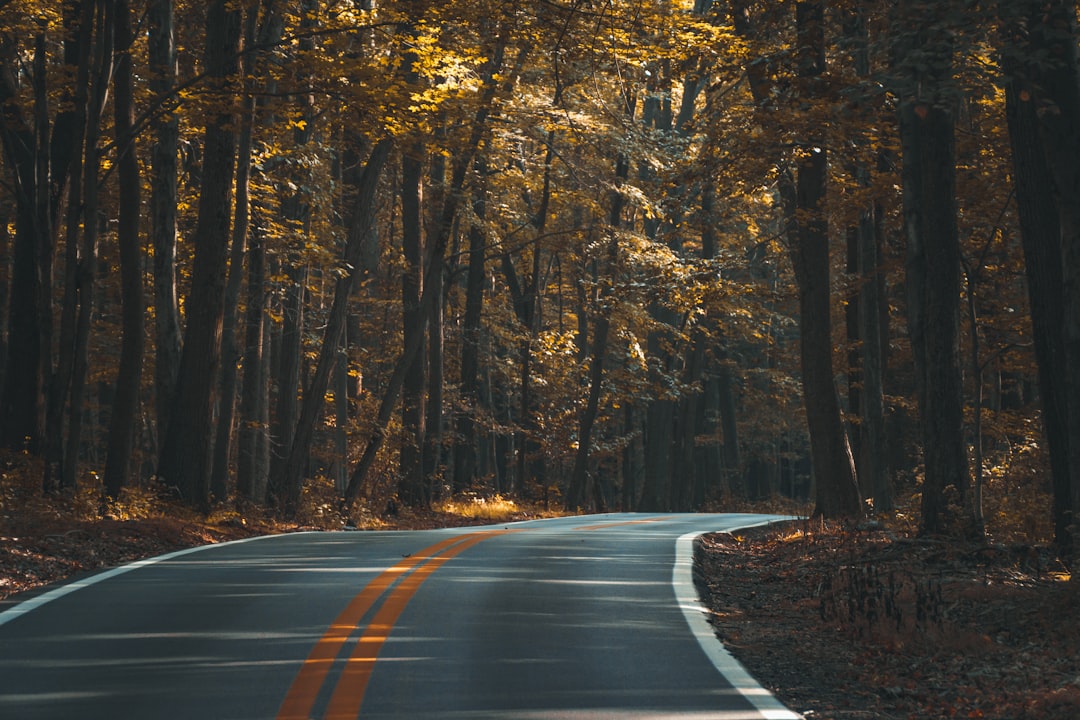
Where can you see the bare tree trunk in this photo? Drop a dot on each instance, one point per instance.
(465, 450)
(874, 446)
(432, 449)
(230, 350)
(5, 291)
(283, 428)
(86, 276)
(60, 379)
(253, 461)
(163, 203)
(185, 453)
(1042, 111)
(128, 382)
(933, 269)
(837, 487)
(414, 324)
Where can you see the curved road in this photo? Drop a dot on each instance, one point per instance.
(579, 617)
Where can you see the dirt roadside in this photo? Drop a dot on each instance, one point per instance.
(844, 625)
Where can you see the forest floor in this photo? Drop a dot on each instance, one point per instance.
(839, 624)
(844, 624)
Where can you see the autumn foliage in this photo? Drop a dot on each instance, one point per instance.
(360, 256)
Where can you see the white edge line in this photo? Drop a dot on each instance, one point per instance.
(34, 603)
(682, 579)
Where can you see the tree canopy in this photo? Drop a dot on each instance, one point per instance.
(663, 255)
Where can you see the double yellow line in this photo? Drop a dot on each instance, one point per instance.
(349, 692)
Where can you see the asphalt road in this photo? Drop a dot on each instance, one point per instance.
(581, 617)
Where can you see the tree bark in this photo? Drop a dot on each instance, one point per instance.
(837, 487)
(163, 203)
(1031, 88)
(128, 383)
(253, 441)
(933, 272)
(59, 381)
(414, 324)
(230, 350)
(86, 275)
(465, 454)
(286, 407)
(185, 453)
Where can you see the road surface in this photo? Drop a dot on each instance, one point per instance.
(579, 617)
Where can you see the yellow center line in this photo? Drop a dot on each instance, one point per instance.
(602, 526)
(349, 694)
(305, 688)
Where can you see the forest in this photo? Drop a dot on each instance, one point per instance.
(597, 254)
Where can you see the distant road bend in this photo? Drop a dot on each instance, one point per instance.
(577, 617)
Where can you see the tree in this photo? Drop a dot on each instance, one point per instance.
(126, 405)
(924, 69)
(1040, 72)
(834, 469)
(186, 449)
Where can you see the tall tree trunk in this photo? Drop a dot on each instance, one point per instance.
(1040, 87)
(286, 407)
(933, 272)
(865, 321)
(253, 441)
(21, 399)
(414, 324)
(163, 203)
(129, 375)
(86, 275)
(873, 448)
(465, 448)
(185, 453)
(5, 290)
(59, 384)
(431, 460)
(230, 350)
(837, 488)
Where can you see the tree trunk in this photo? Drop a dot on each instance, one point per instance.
(163, 203)
(185, 453)
(414, 324)
(287, 404)
(465, 449)
(436, 348)
(5, 290)
(933, 275)
(1032, 89)
(59, 384)
(21, 401)
(837, 487)
(230, 350)
(129, 376)
(873, 448)
(253, 458)
(86, 276)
